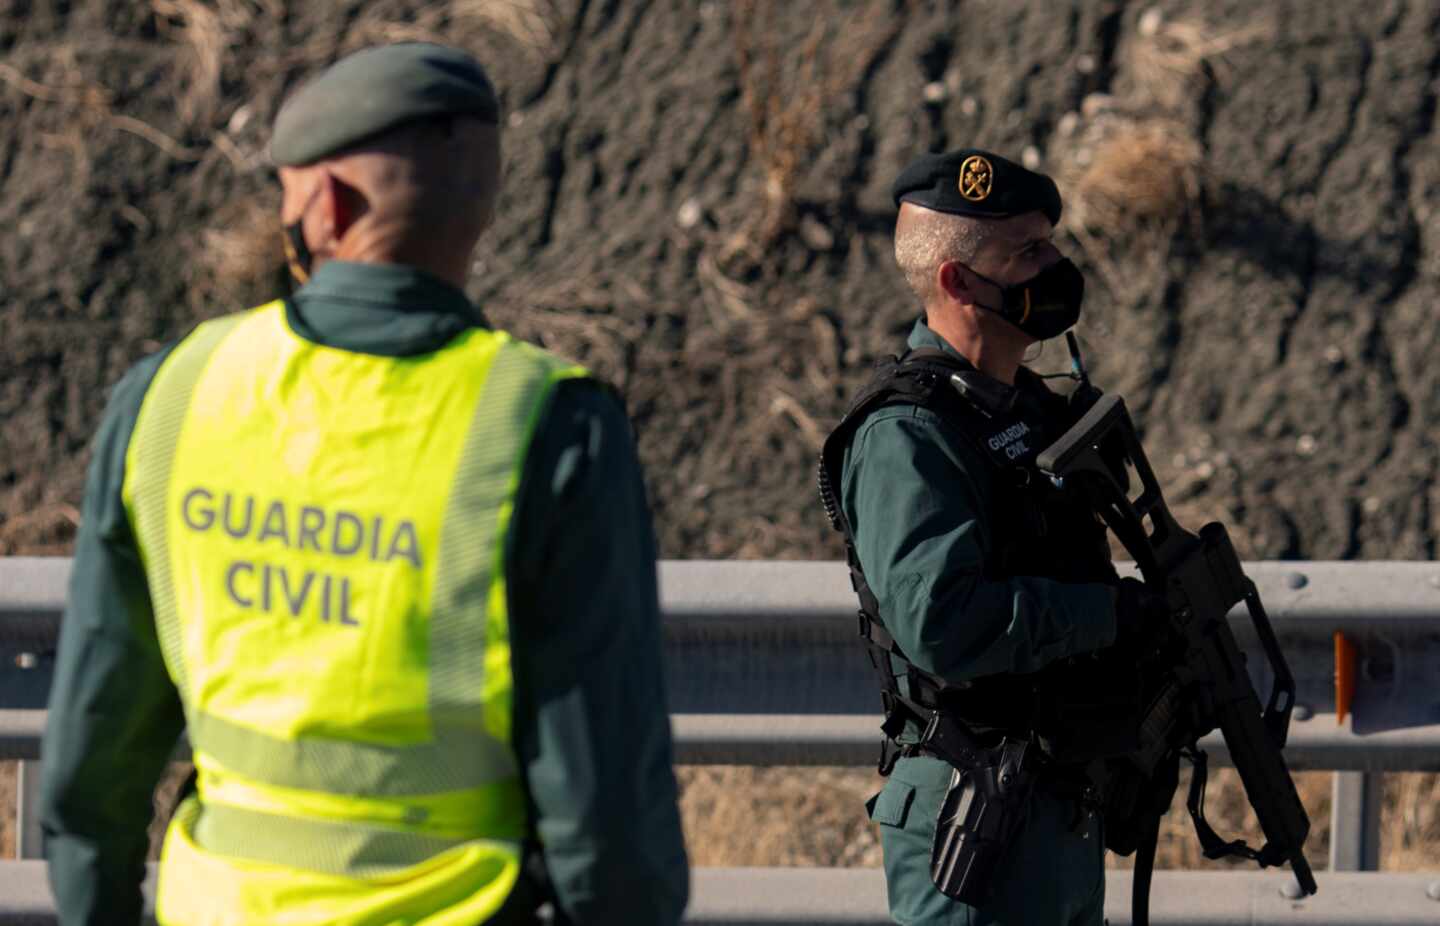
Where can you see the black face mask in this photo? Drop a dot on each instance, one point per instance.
(1044, 306)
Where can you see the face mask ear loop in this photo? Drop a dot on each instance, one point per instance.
(1004, 311)
(292, 256)
(298, 256)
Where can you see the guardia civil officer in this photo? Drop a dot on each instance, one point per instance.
(981, 581)
(391, 570)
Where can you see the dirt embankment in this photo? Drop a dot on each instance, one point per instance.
(697, 207)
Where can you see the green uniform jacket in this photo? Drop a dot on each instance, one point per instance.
(913, 490)
(591, 726)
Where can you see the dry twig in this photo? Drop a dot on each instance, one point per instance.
(87, 95)
(97, 100)
(155, 137)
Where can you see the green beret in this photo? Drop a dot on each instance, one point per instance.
(977, 183)
(377, 89)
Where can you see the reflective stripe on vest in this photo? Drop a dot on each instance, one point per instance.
(323, 533)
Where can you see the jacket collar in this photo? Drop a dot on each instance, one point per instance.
(384, 309)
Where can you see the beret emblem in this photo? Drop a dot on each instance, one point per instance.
(976, 178)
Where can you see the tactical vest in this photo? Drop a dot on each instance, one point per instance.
(1038, 529)
(324, 534)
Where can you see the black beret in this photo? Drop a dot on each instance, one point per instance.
(377, 89)
(978, 183)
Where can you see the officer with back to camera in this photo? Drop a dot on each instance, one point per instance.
(392, 571)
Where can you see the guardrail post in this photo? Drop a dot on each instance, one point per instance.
(1355, 821)
(27, 811)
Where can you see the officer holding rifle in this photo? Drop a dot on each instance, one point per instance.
(984, 574)
(1036, 705)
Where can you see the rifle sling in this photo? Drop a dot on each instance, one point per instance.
(1211, 843)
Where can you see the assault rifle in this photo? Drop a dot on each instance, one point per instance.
(1204, 685)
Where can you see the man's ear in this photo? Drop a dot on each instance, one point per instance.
(343, 205)
(954, 281)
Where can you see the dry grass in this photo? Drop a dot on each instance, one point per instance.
(738, 816)
(1170, 61)
(1130, 166)
(91, 105)
(1410, 828)
(534, 25)
(48, 530)
(504, 26)
(769, 817)
(788, 75)
(8, 783)
(204, 31)
(1138, 175)
(783, 96)
(243, 251)
(1129, 183)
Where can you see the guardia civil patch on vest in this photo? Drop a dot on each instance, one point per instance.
(278, 525)
(1012, 441)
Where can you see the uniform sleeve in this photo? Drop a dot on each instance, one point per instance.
(591, 729)
(114, 716)
(913, 492)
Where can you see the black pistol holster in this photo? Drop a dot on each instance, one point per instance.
(983, 808)
(991, 783)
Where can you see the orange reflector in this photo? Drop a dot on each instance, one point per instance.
(1344, 676)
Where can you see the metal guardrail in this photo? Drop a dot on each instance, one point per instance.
(763, 669)
(745, 638)
(856, 897)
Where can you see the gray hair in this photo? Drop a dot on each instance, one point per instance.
(925, 239)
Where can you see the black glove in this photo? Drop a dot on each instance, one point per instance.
(1139, 612)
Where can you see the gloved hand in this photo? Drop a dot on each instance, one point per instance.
(1138, 611)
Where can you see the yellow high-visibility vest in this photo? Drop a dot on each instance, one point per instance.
(324, 536)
